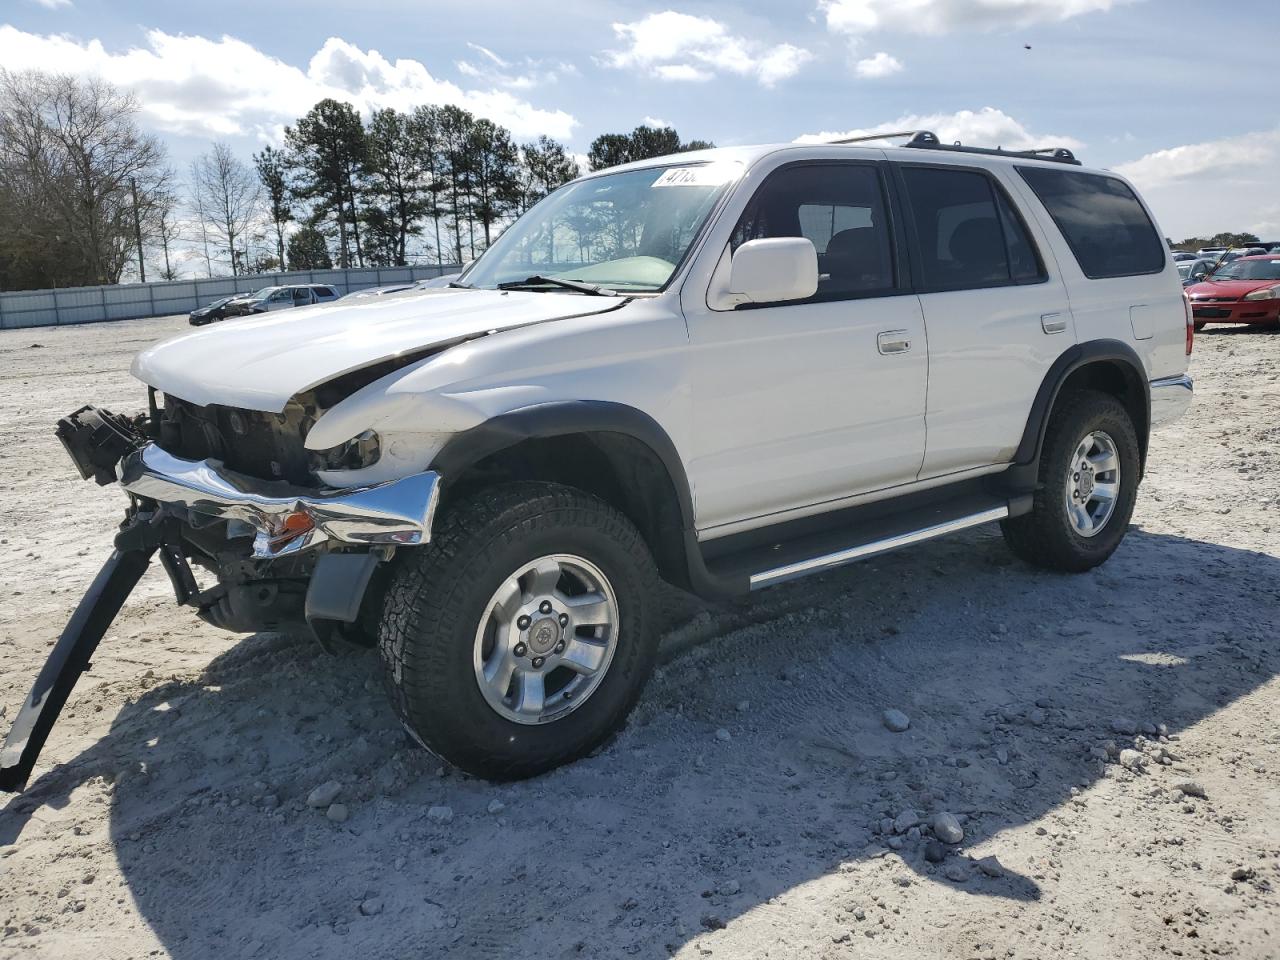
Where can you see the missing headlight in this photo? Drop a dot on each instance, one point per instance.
(356, 454)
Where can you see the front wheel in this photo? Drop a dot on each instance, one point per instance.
(521, 636)
(1089, 472)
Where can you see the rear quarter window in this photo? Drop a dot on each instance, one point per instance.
(1106, 227)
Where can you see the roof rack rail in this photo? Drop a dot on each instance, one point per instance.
(928, 140)
(879, 136)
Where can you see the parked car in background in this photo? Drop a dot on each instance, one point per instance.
(1245, 291)
(1196, 270)
(1180, 256)
(280, 298)
(212, 312)
(1237, 252)
(1211, 251)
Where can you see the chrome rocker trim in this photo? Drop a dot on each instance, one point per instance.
(1170, 398)
(287, 519)
(828, 561)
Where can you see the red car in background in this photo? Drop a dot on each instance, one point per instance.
(1243, 291)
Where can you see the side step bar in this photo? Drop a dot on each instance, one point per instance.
(839, 558)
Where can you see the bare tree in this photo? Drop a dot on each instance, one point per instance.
(227, 196)
(163, 226)
(70, 152)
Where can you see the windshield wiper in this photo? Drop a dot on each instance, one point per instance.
(461, 286)
(540, 281)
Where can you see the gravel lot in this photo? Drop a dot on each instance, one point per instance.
(1107, 743)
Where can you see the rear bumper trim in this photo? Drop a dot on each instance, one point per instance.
(398, 512)
(1170, 398)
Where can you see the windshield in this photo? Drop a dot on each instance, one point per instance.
(1249, 270)
(626, 231)
(263, 293)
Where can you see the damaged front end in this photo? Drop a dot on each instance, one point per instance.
(285, 556)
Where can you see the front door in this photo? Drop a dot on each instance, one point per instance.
(805, 403)
(280, 300)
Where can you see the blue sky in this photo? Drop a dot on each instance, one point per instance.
(1124, 81)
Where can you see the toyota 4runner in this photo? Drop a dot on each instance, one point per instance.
(727, 369)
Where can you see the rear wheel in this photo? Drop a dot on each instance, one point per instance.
(522, 635)
(1089, 472)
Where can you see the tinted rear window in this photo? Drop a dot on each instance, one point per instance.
(968, 236)
(1105, 225)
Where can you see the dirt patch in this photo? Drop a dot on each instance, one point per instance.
(1106, 744)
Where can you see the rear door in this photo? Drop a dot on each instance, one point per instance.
(1123, 283)
(995, 308)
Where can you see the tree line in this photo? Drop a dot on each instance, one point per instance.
(86, 196)
(1224, 239)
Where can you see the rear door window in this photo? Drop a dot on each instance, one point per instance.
(1106, 227)
(968, 233)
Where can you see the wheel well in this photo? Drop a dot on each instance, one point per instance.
(1121, 381)
(619, 469)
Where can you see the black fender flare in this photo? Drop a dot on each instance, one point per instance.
(1026, 457)
(559, 418)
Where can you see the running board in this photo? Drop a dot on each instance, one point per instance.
(839, 558)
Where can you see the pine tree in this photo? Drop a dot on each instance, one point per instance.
(273, 170)
(330, 149)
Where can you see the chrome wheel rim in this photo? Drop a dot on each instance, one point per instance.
(1093, 483)
(546, 639)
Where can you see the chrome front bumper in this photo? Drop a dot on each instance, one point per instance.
(286, 519)
(1170, 397)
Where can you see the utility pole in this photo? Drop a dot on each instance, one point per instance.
(137, 229)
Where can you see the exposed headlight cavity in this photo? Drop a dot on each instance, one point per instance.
(357, 453)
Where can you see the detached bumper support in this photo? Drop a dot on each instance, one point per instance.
(70, 658)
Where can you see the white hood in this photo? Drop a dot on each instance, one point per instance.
(258, 363)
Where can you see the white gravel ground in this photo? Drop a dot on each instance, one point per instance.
(749, 809)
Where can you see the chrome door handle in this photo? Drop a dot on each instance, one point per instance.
(893, 341)
(1053, 322)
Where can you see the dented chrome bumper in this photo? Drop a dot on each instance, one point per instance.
(286, 519)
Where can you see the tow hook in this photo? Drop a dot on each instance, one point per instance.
(135, 544)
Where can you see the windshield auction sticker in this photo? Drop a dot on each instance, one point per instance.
(704, 175)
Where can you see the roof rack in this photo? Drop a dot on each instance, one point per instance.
(928, 140)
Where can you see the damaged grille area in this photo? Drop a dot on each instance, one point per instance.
(268, 446)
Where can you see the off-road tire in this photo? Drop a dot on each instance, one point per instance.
(1045, 537)
(440, 592)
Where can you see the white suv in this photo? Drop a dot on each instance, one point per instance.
(726, 368)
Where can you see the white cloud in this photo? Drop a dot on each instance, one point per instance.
(857, 17)
(227, 87)
(524, 74)
(52, 4)
(877, 66)
(679, 46)
(656, 122)
(1199, 189)
(987, 127)
(1231, 158)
